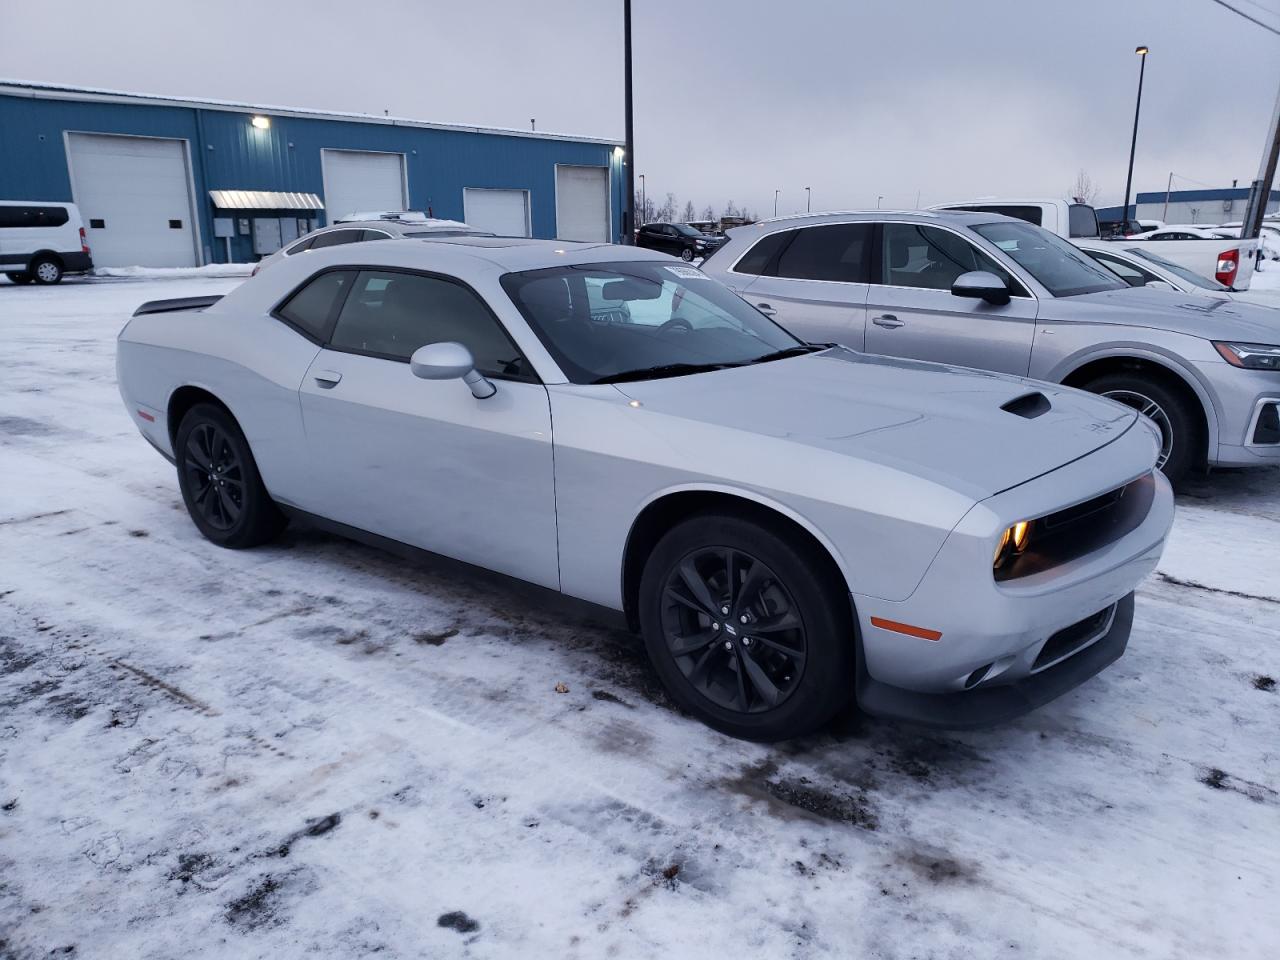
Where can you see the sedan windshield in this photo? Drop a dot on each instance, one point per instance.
(1062, 269)
(636, 320)
(1178, 270)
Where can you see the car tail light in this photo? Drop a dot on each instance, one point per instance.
(1228, 263)
(84, 243)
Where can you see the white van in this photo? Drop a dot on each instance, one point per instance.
(41, 241)
(1066, 218)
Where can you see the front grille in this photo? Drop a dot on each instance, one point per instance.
(1268, 428)
(1070, 639)
(1066, 534)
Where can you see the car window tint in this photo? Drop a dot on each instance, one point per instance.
(375, 235)
(336, 237)
(1082, 220)
(311, 308)
(1130, 274)
(916, 255)
(33, 216)
(1029, 213)
(759, 259)
(840, 252)
(391, 315)
(300, 246)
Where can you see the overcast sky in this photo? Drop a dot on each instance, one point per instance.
(734, 98)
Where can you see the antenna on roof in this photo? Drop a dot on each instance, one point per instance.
(533, 123)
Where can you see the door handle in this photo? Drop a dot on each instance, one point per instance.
(888, 321)
(327, 378)
(766, 309)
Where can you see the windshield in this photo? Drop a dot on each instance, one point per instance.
(685, 230)
(1062, 269)
(1178, 270)
(636, 319)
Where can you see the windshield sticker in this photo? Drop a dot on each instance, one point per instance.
(687, 273)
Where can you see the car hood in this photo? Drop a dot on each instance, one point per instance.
(934, 421)
(1209, 317)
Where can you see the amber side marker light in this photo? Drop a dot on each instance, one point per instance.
(920, 633)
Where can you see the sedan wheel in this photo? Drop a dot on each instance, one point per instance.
(748, 625)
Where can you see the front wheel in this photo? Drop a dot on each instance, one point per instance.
(687, 254)
(749, 631)
(220, 482)
(1181, 442)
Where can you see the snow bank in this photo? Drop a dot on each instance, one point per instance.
(177, 273)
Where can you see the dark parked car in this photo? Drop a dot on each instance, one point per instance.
(678, 239)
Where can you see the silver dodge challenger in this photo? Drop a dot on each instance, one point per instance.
(791, 526)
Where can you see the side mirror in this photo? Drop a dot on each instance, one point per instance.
(450, 361)
(981, 285)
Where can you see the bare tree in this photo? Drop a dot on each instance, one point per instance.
(730, 210)
(1084, 190)
(709, 213)
(646, 212)
(690, 214)
(667, 212)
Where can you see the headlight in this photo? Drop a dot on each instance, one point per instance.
(1012, 542)
(699, 243)
(1251, 356)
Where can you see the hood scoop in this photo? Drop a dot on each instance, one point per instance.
(1028, 406)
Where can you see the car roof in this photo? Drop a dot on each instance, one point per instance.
(462, 255)
(959, 217)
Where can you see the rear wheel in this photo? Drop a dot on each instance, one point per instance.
(220, 482)
(749, 631)
(19, 277)
(46, 270)
(1181, 441)
(686, 254)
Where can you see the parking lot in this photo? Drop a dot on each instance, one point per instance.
(316, 749)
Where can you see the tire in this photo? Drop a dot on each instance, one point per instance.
(19, 278)
(220, 482)
(1183, 438)
(687, 254)
(711, 667)
(46, 271)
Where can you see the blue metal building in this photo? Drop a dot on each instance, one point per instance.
(163, 181)
(1211, 206)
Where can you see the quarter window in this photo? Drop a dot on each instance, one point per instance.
(312, 308)
(391, 315)
(336, 237)
(840, 252)
(759, 259)
(916, 255)
(32, 216)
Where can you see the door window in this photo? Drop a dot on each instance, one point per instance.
(840, 252)
(391, 314)
(336, 237)
(917, 255)
(1130, 274)
(311, 309)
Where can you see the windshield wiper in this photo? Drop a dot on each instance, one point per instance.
(662, 370)
(798, 350)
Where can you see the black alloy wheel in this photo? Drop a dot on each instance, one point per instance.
(748, 624)
(732, 628)
(220, 483)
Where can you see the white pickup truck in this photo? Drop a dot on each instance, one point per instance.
(1228, 260)
(1066, 218)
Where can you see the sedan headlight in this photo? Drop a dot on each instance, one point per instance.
(1012, 543)
(1250, 356)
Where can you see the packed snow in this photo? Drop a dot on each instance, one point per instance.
(315, 749)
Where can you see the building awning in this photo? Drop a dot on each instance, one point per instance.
(264, 200)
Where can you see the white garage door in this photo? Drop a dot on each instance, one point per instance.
(504, 212)
(357, 181)
(134, 196)
(582, 203)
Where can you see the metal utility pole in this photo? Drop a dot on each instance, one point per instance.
(878, 199)
(644, 201)
(775, 202)
(629, 152)
(1133, 144)
(807, 198)
(1260, 192)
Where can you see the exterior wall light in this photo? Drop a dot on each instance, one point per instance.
(262, 123)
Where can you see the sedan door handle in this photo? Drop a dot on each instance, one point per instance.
(327, 378)
(888, 321)
(766, 309)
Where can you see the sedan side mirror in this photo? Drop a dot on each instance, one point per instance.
(450, 361)
(981, 285)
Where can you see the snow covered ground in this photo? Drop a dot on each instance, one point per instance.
(315, 749)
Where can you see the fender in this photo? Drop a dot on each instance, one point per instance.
(1153, 354)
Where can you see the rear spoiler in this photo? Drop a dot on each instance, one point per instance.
(173, 306)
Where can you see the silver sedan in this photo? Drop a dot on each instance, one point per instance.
(999, 294)
(790, 526)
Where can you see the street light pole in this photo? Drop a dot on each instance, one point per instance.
(644, 203)
(807, 200)
(878, 199)
(775, 202)
(1133, 144)
(629, 156)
